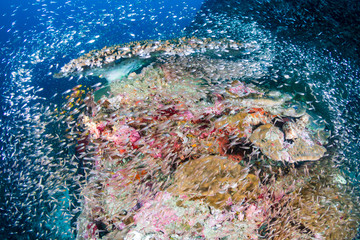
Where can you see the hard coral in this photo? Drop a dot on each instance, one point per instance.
(270, 139)
(215, 179)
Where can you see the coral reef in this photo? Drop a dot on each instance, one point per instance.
(186, 148)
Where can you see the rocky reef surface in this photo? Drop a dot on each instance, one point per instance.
(188, 148)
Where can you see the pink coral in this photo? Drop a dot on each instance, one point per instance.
(156, 215)
(255, 214)
(93, 130)
(241, 90)
(101, 126)
(124, 135)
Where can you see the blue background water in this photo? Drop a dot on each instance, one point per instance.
(315, 43)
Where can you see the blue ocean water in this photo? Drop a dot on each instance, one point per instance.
(312, 47)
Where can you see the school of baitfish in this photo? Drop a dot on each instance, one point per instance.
(181, 143)
(184, 145)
